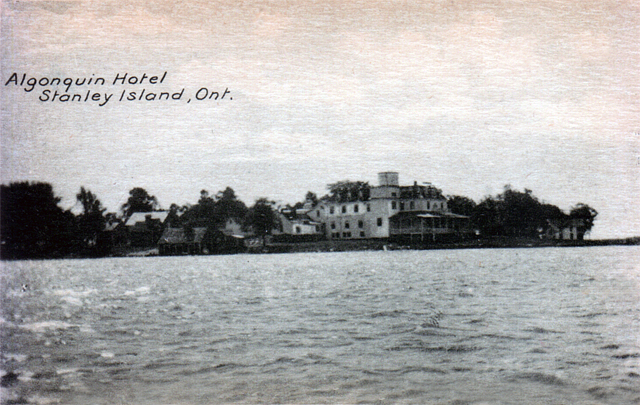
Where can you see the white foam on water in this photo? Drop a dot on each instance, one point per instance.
(40, 400)
(141, 290)
(25, 376)
(63, 371)
(15, 357)
(107, 355)
(40, 327)
(73, 300)
(74, 293)
(5, 394)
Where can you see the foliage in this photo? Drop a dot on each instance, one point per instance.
(213, 212)
(461, 205)
(261, 218)
(349, 191)
(585, 213)
(174, 219)
(90, 223)
(310, 197)
(228, 206)
(486, 217)
(32, 225)
(139, 201)
(521, 214)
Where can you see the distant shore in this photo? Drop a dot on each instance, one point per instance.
(356, 245)
(381, 244)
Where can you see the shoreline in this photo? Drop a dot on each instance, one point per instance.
(359, 245)
(328, 246)
(373, 245)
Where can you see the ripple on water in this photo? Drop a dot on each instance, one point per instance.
(264, 328)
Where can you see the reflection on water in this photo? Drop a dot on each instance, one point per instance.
(556, 325)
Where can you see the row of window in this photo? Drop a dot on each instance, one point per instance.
(394, 206)
(360, 224)
(356, 209)
(412, 206)
(336, 235)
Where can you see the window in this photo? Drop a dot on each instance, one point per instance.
(333, 225)
(346, 234)
(368, 207)
(402, 206)
(317, 228)
(362, 234)
(336, 235)
(393, 205)
(412, 205)
(355, 208)
(394, 194)
(379, 221)
(428, 205)
(332, 210)
(318, 213)
(360, 224)
(344, 209)
(298, 230)
(346, 225)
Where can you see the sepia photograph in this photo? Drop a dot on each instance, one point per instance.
(319, 202)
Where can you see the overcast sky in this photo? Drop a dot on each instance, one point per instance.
(468, 95)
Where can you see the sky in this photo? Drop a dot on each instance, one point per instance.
(467, 95)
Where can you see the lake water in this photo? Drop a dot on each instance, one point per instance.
(492, 326)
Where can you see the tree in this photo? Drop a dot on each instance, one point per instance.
(348, 191)
(310, 197)
(213, 213)
(486, 217)
(262, 218)
(228, 206)
(461, 205)
(174, 219)
(585, 213)
(139, 201)
(519, 212)
(32, 225)
(90, 223)
(515, 213)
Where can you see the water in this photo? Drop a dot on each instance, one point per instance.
(503, 326)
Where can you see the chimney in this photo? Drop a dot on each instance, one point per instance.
(388, 179)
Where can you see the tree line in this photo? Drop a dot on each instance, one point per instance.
(33, 225)
(514, 213)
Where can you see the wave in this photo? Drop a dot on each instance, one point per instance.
(543, 378)
(40, 327)
(211, 369)
(445, 349)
